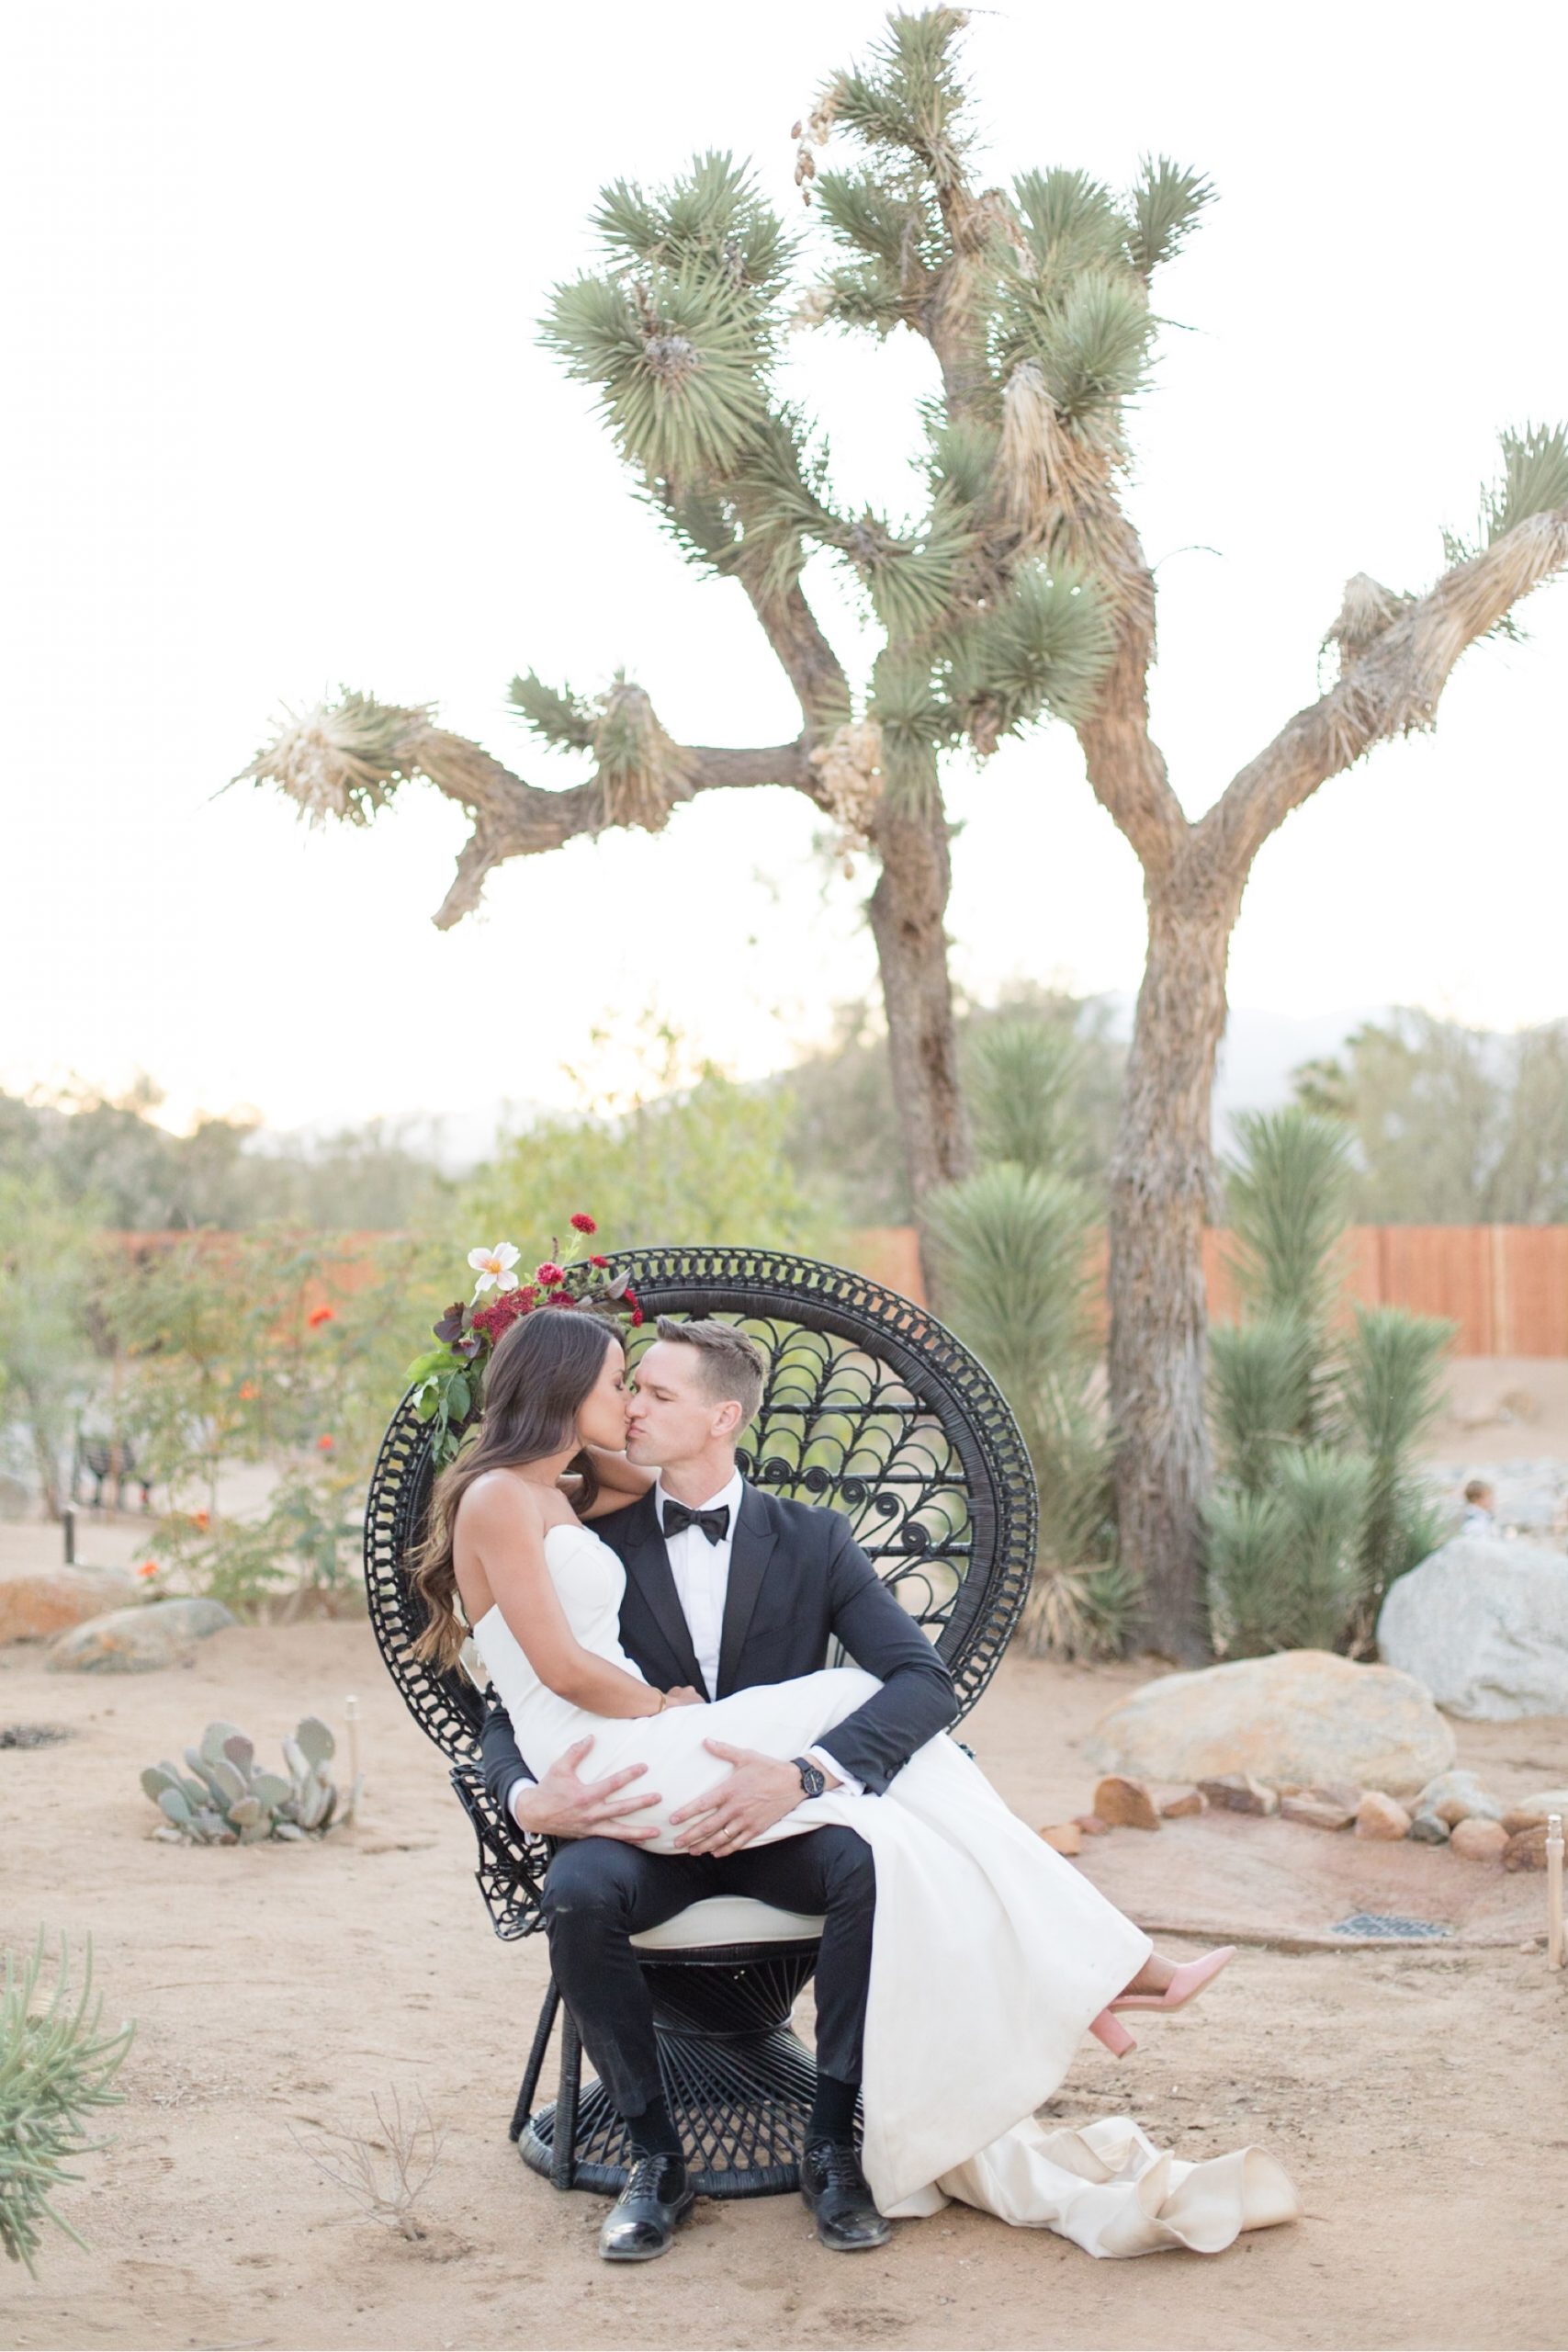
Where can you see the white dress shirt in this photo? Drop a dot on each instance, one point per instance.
(701, 1571)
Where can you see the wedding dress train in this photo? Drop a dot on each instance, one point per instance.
(990, 1952)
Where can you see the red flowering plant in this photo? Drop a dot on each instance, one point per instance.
(447, 1379)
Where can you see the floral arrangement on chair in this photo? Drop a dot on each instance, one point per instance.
(446, 1378)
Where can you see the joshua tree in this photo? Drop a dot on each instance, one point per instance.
(1019, 586)
(1038, 327)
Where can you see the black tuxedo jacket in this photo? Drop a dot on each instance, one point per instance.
(797, 1580)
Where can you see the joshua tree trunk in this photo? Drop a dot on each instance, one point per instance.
(1159, 1192)
(909, 910)
(1395, 656)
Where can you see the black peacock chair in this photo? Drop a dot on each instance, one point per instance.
(874, 1408)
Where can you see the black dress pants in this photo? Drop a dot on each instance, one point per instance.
(598, 1892)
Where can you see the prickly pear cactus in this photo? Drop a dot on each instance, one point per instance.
(222, 1799)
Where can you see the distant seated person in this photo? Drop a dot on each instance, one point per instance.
(1480, 1509)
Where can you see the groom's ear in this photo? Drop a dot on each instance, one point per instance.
(727, 1420)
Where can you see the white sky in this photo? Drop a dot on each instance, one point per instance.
(274, 417)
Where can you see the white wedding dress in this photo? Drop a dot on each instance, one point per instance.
(990, 1953)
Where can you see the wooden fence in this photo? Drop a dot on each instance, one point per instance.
(1505, 1285)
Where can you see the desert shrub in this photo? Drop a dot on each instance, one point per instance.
(47, 1274)
(57, 2065)
(1010, 1247)
(270, 1348)
(1318, 1505)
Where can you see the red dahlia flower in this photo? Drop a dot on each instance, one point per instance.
(551, 1274)
(581, 1224)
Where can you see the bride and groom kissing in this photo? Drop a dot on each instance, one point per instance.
(654, 1630)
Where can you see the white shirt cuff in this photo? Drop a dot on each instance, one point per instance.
(832, 1765)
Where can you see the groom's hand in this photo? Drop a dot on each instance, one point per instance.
(562, 1805)
(759, 1792)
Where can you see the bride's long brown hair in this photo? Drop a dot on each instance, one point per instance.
(534, 1383)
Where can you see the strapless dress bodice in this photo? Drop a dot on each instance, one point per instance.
(590, 1584)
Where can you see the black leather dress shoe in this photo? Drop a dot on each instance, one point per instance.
(641, 2223)
(835, 2191)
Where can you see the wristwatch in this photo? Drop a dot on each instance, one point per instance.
(813, 1780)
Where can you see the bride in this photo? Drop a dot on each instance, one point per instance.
(966, 1896)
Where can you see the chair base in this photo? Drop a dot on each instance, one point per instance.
(738, 2080)
(741, 2106)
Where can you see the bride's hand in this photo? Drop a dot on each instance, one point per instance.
(684, 1696)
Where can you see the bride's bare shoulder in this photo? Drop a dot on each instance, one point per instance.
(499, 1497)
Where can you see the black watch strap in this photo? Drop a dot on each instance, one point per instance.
(813, 1780)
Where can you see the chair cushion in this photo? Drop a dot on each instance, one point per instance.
(729, 1920)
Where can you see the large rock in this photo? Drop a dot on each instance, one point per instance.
(35, 1608)
(135, 1640)
(1304, 1716)
(1484, 1625)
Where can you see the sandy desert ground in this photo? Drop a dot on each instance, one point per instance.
(1415, 2095)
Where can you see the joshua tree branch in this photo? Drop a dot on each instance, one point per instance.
(1126, 767)
(808, 661)
(347, 761)
(1391, 687)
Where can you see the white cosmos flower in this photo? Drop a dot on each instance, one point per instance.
(494, 1268)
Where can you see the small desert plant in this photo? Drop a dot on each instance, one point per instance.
(1012, 1246)
(1318, 1508)
(224, 1801)
(384, 2173)
(55, 2064)
(1389, 1390)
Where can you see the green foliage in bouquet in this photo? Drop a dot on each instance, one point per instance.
(56, 2065)
(447, 1379)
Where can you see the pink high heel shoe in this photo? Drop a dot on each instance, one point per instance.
(1116, 2038)
(1188, 1980)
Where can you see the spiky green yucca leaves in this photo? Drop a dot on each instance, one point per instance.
(56, 2065)
(1390, 1392)
(1320, 1507)
(1010, 1243)
(1021, 1077)
(1534, 481)
(1287, 1194)
(1282, 1570)
(910, 98)
(1165, 202)
(1046, 646)
(712, 218)
(680, 332)
(681, 362)
(1261, 1389)
(556, 715)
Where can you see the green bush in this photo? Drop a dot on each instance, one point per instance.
(1318, 1507)
(56, 2065)
(704, 1163)
(276, 1347)
(1010, 1247)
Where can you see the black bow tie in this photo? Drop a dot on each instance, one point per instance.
(714, 1523)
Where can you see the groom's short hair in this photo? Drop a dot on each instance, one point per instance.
(731, 1365)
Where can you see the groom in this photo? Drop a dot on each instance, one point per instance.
(726, 1587)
